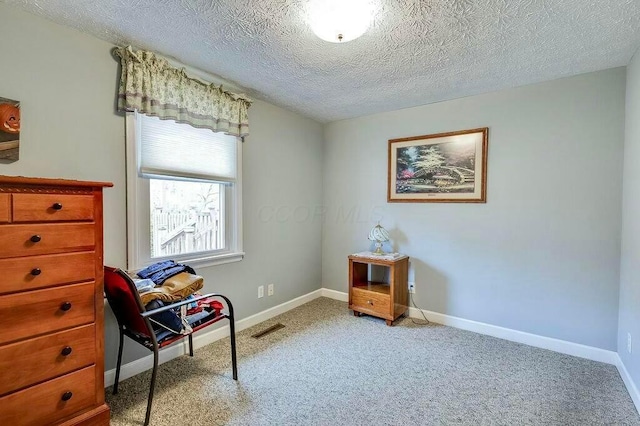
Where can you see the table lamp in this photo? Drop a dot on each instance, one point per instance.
(379, 235)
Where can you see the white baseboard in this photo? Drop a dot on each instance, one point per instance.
(628, 382)
(204, 338)
(550, 343)
(557, 345)
(335, 294)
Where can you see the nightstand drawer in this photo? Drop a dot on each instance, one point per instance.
(371, 301)
(30, 240)
(38, 312)
(42, 358)
(33, 272)
(5, 208)
(51, 207)
(50, 401)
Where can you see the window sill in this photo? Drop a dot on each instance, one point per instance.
(220, 259)
(197, 262)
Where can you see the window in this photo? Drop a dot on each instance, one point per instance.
(183, 193)
(186, 217)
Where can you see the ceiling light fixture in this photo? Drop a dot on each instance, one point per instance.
(339, 21)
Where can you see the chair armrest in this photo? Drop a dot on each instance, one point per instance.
(182, 302)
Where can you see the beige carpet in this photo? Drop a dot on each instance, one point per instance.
(327, 367)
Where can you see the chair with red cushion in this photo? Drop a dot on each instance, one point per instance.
(134, 322)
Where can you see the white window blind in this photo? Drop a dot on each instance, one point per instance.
(173, 149)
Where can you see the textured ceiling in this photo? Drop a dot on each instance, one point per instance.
(416, 52)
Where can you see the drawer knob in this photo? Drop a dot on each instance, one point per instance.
(56, 206)
(66, 351)
(370, 302)
(36, 271)
(67, 396)
(36, 238)
(65, 306)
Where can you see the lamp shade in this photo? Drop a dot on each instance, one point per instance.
(378, 234)
(340, 20)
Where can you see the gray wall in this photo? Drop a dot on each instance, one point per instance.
(629, 321)
(542, 255)
(66, 82)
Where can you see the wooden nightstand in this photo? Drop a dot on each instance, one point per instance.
(387, 299)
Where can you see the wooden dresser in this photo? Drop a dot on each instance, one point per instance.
(51, 302)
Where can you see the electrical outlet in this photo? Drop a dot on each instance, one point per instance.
(412, 288)
(270, 290)
(260, 291)
(629, 347)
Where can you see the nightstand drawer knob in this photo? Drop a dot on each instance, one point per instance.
(57, 206)
(65, 306)
(66, 351)
(67, 396)
(35, 238)
(36, 271)
(370, 302)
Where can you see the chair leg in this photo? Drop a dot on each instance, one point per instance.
(190, 344)
(234, 363)
(232, 336)
(119, 364)
(153, 385)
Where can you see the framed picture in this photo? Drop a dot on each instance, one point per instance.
(9, 130)
(441, 168)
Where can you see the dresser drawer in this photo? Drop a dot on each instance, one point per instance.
(33, 272)
(45, 403)
(46, 357)
(41, 311)
(30, 240)
(371, 301)
(5, 208)
(51, 207)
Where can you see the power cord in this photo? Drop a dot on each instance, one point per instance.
(419, 322)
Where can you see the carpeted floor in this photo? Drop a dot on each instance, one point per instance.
(327, 367)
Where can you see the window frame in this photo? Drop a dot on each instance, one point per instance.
(139, 212)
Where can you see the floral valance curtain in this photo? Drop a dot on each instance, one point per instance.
(151, 86)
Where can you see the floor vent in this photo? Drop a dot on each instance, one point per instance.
(271, 329)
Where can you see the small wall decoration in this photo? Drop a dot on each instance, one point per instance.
(9, 130)
(441, 168)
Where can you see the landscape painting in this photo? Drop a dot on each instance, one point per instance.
(9, 130)
(440, 168)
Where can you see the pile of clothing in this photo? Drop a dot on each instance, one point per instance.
(167, 282)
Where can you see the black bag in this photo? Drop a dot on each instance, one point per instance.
(167, 320)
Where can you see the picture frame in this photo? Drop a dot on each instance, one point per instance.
(439, 168)
(9, 130)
